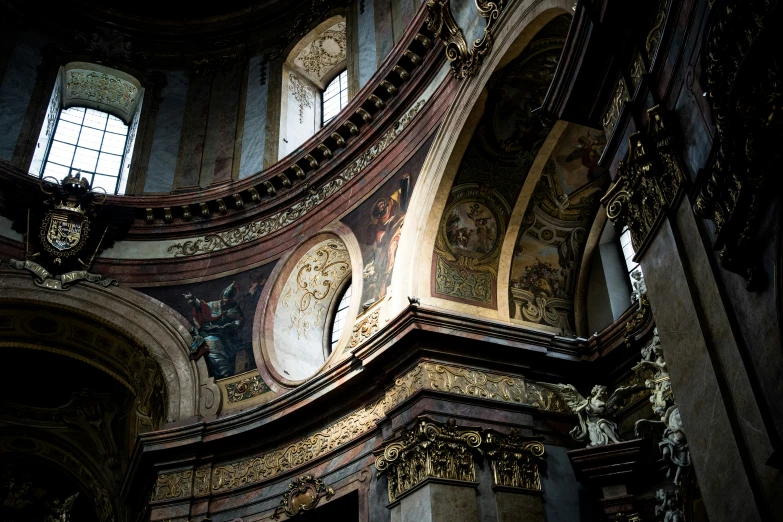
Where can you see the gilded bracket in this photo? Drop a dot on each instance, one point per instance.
(465, 60)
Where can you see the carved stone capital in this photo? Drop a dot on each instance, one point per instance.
(428, 449)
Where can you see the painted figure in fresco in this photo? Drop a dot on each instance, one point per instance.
(485, 236)
(215, 328)
(386, 219)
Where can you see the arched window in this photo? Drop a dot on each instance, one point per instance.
(340, 318)
(90, 126)
(335, 97)
(91, 142)
(315, 83)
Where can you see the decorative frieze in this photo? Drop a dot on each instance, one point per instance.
(101, 88)
(269, 224)
(247, 388)
(173, 485)
(424, 376)
(648, 182)
(428, 449)
(615, 108)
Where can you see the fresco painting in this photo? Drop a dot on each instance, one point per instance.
(221, 316)
(554, 230)
(377, 223)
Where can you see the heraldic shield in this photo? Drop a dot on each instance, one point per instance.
(64, 232)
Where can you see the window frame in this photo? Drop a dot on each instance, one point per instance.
(339, 95)
(329, 344)
(104, 131)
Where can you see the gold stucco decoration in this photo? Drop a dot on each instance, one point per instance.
(428, 449)
(424, 376)
(303, 494)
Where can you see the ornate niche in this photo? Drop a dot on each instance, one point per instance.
(648, 182)
(428, 449)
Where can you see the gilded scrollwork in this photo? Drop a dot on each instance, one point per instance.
(263, 227)
(177, 484)
(325, 52)
(428, 449)
(246, 388)
(514, 459)
(301, 93)
(303, 494)
(465, 60)
(365, 327)
(615, 108)
(648, 182)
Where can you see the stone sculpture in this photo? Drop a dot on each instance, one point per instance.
(593, 412)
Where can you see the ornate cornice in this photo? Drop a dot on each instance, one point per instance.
(424, 376)
(267, 225)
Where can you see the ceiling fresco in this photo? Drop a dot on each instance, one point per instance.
(493, 171)
(554, 229)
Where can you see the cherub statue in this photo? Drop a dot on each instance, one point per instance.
(652, 358)
(668, 506)
(673, 443)
(60, 512)
(592, 412)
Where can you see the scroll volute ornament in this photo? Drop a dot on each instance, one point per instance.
(428, 449)
(303, 494)
(648, 182)
(465, 60)
(514, 459)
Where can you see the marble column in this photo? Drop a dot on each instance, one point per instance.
(438, 501)
(518, 505)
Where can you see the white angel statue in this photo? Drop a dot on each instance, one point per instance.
(593, 412)
(61, 512)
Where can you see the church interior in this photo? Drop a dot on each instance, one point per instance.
(391, 261)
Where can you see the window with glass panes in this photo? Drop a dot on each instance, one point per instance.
(335, 97)
(91, 142)
(340, 317)
(628, 253)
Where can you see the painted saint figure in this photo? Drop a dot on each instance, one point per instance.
(386, 219)
(215, 328)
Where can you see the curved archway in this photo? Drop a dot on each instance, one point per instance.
(515, 30)
(147, 323)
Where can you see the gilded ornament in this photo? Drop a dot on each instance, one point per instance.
(325, 52)
(615, 109)
(101, 88)
(301, 93)
(172, 485)
(246, 389)
(365, 326)
(303, 494)
(428, 449)
(514, 459)
(465, 61)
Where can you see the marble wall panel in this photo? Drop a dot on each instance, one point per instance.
(564, 497)
(194, 129)
(368, 57)
(168, 130)
(254, 133)
(384, 31)
(217, 160)
(17, 89)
